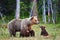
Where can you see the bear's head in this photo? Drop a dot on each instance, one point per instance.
(34, 20)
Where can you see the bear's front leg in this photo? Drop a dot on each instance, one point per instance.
(24, 33)
(12, 33)
(32, 33)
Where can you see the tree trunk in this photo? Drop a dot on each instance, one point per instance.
(34, 9)
(17, 15)
(2, 17)
(52, 13)
(48, 11)
(44, 13)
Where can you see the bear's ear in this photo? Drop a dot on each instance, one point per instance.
(31, 18)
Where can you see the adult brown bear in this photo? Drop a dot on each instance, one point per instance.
(23, 26)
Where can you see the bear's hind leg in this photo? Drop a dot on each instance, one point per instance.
(12, 33)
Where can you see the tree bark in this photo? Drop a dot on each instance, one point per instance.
(34, 9)
(48, 11)
(2, 17)
(44, 12)
(17, 15)
(52, 13)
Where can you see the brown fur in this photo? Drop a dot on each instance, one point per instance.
(43, 31)
(22, 25)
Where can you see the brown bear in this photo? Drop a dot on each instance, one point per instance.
(23, 26)
(43, 31)
(27, 34)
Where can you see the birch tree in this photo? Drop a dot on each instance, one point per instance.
(54, 11)
(53, 19)
(49, 3)
(34, 9)
(2, 17)
(17, 15)
(44, 12)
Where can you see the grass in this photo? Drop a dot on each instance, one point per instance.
(53, 30)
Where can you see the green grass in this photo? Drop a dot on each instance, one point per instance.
(53, 30)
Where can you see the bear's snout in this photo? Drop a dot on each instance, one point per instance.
(37, 22)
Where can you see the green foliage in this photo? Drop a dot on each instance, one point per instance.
(9, 7)
(24, 10)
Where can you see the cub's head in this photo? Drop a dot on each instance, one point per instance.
(34, 20)
(42, 27)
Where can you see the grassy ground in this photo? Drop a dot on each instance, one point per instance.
(53, 30)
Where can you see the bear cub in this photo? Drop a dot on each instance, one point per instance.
(43, 31)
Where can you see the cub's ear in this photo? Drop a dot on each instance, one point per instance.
(41, 26)
(44, 27)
